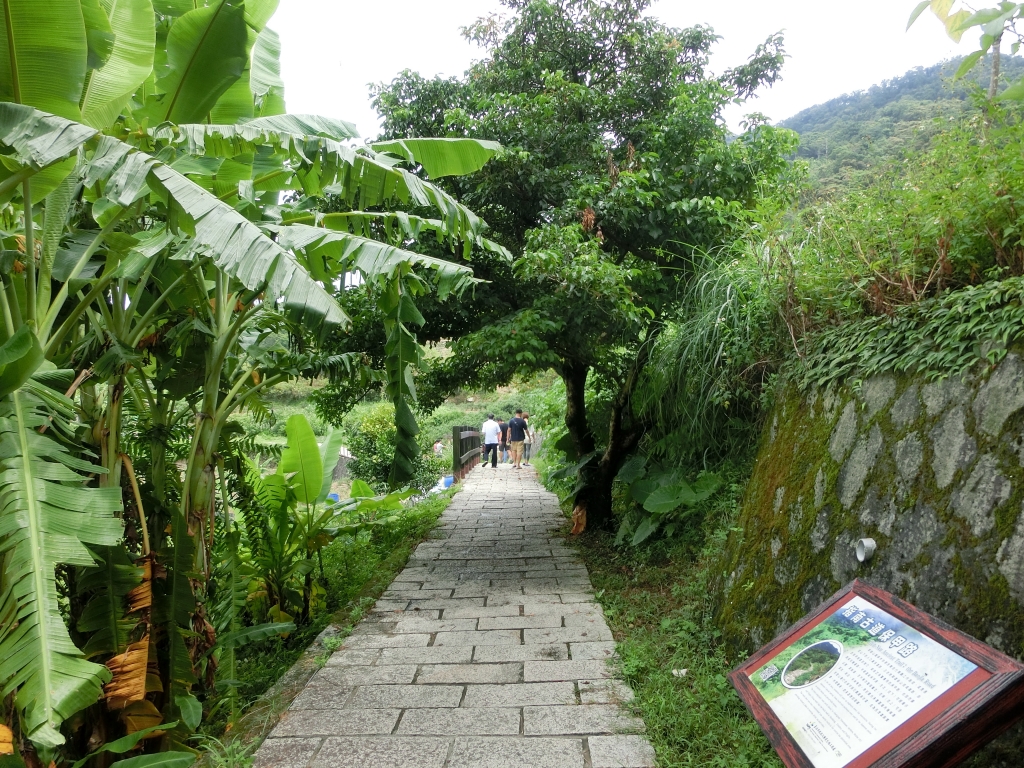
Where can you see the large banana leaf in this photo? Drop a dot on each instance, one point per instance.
(442, 157)
(242, 251)
(301, 459)
(40, 140)
(319, 163)
(292, 133)
(395, 223)
(235, 244)
(47, 516)
(238, 103)
(98, 33)
(329, 254)
(43, 54)
(265, 74)
(130, 63)
(206, 53)
(43, 62)
(287, 134)
(20, 356)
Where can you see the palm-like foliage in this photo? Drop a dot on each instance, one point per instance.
(47, 518)
(168, 266)
(237, 246)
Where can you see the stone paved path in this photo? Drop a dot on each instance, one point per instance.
(488, 651)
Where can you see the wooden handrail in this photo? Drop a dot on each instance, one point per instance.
(475, 452)
(465, 437)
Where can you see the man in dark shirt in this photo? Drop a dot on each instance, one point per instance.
(503, 426)
(516, 436)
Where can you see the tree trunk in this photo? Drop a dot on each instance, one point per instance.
(596, 497)
(593, 506)
(993, 83)
(574, 375)
(594, 501)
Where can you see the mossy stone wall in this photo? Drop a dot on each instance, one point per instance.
(933, 472)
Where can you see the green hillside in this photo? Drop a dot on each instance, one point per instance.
(855, 132)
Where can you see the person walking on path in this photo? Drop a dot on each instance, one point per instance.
(517, 427)
(491, 431)
(503, 426)
(528, 442)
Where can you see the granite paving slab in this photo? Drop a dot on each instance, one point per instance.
(488, 650)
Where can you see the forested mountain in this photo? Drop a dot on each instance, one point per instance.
(858, 131)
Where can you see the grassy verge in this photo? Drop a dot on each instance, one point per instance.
(273, 672)
(659, 605)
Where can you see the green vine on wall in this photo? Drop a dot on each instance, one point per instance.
(940, 337)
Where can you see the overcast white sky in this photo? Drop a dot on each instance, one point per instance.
(333, 49)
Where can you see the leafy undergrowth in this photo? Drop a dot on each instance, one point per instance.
(658, 603)
(357, 571)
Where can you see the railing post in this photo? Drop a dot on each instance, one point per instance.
(465, 450)
(477, 443)
(456, 453)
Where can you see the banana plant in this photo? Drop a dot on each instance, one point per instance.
(303, 520)
(309, 471)
(143, 256)
(124, 178)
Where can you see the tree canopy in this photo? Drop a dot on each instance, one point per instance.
(618, 175)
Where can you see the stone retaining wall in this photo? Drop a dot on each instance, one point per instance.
(934, 472)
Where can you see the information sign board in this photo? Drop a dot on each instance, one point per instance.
(869, 680)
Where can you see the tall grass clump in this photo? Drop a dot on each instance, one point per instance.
(924, 229)
(715, 361)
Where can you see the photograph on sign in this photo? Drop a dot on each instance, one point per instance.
(853, 679)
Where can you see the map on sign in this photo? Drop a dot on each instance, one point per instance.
(853, 679)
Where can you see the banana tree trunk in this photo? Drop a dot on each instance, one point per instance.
(189, 633)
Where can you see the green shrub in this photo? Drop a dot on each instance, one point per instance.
(944, 336)
(431, 469)
(371, 437)
(659, 601)
(913, 270)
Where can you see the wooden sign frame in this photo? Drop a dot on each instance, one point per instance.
(945, 732)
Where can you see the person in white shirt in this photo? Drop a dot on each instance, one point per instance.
(491, 432)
